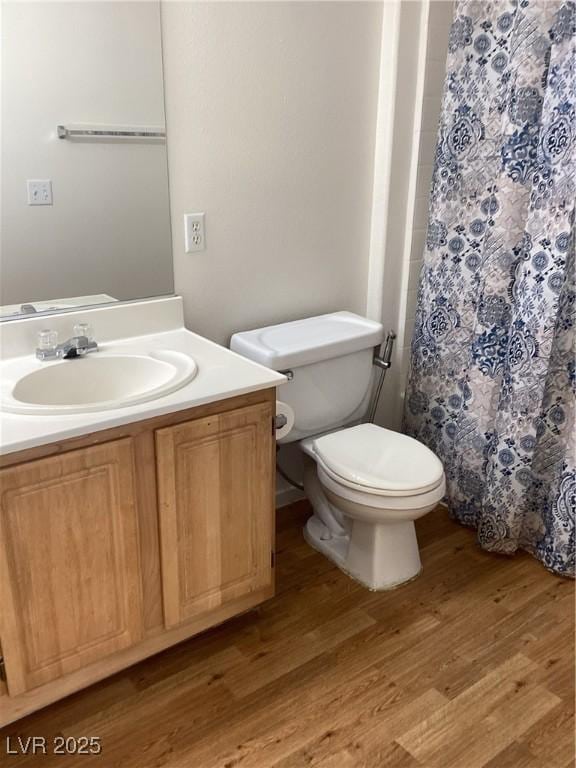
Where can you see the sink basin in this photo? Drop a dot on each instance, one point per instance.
(97, 382)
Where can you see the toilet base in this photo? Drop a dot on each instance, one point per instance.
(380, 556)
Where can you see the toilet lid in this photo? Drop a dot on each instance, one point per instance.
(369, 456)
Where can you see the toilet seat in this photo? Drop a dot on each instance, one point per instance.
(370, 460)
(395, 504)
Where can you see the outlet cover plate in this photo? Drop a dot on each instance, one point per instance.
(194, 232)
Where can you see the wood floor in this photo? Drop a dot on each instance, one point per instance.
(470, 665)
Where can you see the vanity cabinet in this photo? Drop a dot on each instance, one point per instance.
(215, 522)
(116, 545)
(70, 591)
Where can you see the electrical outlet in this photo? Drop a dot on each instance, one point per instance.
(194, 233)
(39, 191)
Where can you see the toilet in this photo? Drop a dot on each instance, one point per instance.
(366, 484)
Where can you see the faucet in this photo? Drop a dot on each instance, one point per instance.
(77, 346)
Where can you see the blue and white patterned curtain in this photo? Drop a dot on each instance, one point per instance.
(492, 380)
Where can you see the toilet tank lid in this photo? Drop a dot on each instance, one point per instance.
(302, 342)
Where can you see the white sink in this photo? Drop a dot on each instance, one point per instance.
(97, 382)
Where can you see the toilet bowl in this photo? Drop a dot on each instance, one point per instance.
(366, 484)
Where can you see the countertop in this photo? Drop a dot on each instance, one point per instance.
(221, 374)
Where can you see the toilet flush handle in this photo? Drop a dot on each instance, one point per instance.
(288, 373)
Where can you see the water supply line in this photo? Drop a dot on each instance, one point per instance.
(383, 361)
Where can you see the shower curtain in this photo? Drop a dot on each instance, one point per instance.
(492, 382)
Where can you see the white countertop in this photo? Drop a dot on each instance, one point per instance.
(221, 374)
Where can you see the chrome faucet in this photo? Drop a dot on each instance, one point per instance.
(79, 345)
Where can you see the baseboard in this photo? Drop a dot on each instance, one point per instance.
(285, 496)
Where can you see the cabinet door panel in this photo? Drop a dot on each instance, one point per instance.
(70, 589)
(215, 487)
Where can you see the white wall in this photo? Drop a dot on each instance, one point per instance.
(277, 130)
(108, 230)
(271, 112)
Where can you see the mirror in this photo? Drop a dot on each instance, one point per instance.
(85, 209)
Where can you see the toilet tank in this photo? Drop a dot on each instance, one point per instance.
(328, 360)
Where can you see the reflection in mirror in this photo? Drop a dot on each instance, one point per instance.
(85, 210)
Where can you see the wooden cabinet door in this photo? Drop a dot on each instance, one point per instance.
(215, 484)
(70, 589)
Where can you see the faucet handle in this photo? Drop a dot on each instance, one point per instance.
(83, 329)
(47, 340)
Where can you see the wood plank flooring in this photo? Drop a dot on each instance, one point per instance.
(469, 666)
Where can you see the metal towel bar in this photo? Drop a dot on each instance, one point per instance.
(77, 132)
